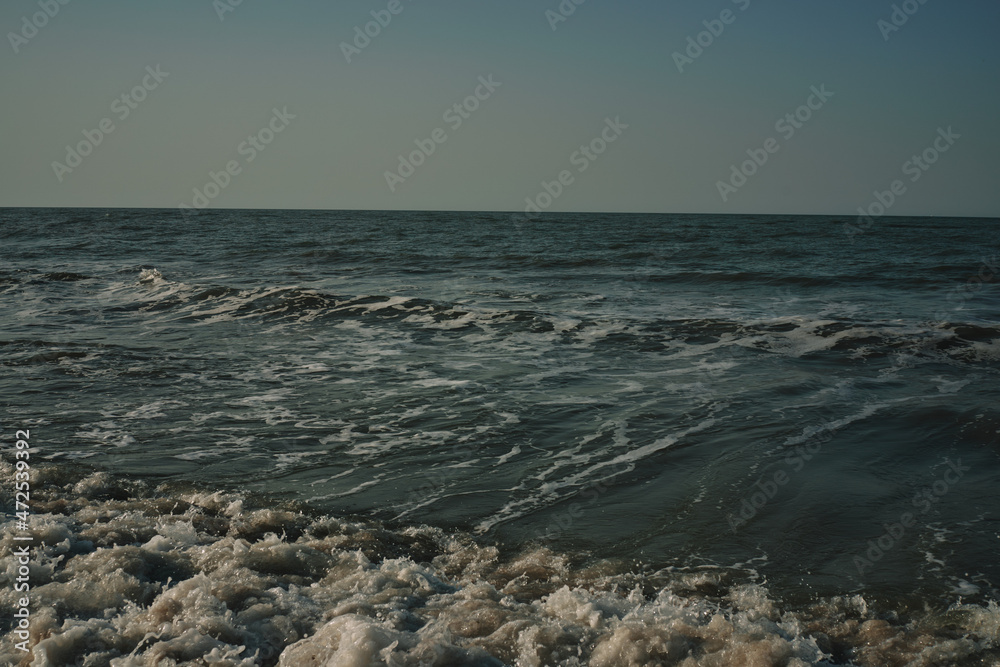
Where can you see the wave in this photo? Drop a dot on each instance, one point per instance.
(65, 277)
(125, 574)
(12, 277)
(161, 301)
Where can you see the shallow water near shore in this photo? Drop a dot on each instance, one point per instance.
(130, 575)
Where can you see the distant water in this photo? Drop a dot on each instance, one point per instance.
(758, 417)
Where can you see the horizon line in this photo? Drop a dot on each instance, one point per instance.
(197, 212)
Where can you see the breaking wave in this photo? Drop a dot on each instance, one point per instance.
(127, 575)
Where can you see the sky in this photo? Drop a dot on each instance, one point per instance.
(627, 106)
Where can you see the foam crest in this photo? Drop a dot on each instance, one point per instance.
(127, 576)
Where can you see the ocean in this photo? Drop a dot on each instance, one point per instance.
(450, 438)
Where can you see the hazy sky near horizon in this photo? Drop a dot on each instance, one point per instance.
(224, 73)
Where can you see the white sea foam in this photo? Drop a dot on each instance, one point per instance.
(194, 578)
(574, 458)
(150, 276)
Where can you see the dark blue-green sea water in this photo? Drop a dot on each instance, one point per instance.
(674, 390)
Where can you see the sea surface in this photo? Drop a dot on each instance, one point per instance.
(599, 439)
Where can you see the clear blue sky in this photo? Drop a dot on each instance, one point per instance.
(557, 87)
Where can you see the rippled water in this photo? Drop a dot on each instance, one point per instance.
(766, 395)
